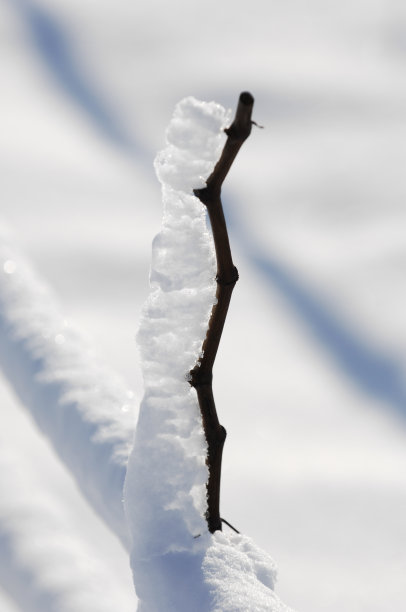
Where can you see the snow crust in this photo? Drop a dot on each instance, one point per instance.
(177, 564)
(84, 408)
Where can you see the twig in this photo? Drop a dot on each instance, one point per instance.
(201, 376)
(229, 525)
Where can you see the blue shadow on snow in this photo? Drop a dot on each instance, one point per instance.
(56, 52)
(373, 372)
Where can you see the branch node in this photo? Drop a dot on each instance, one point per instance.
(206, 195)
(197, 378)
(232, 281)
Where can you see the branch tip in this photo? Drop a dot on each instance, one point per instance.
(246, 98)
(240, 128)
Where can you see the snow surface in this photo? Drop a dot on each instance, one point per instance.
(318, 231)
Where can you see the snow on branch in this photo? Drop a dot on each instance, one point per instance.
(82, 407)
(178, 565)
(166, 494)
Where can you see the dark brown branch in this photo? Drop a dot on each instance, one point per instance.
(227, 275)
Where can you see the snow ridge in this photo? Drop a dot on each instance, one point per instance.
(165, 488)
(85, 410)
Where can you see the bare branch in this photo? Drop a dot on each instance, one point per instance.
(227, 275)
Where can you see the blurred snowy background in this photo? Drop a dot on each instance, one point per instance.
(310, 380)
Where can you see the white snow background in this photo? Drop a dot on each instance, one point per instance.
(310, 376)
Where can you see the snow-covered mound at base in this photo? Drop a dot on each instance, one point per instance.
(227, 573)
(240, 576)
(82, 407)
(177, 565)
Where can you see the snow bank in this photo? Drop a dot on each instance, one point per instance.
(86, 411)
(177, 564)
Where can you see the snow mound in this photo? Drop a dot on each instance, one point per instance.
(177, 565)
(240, 575)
